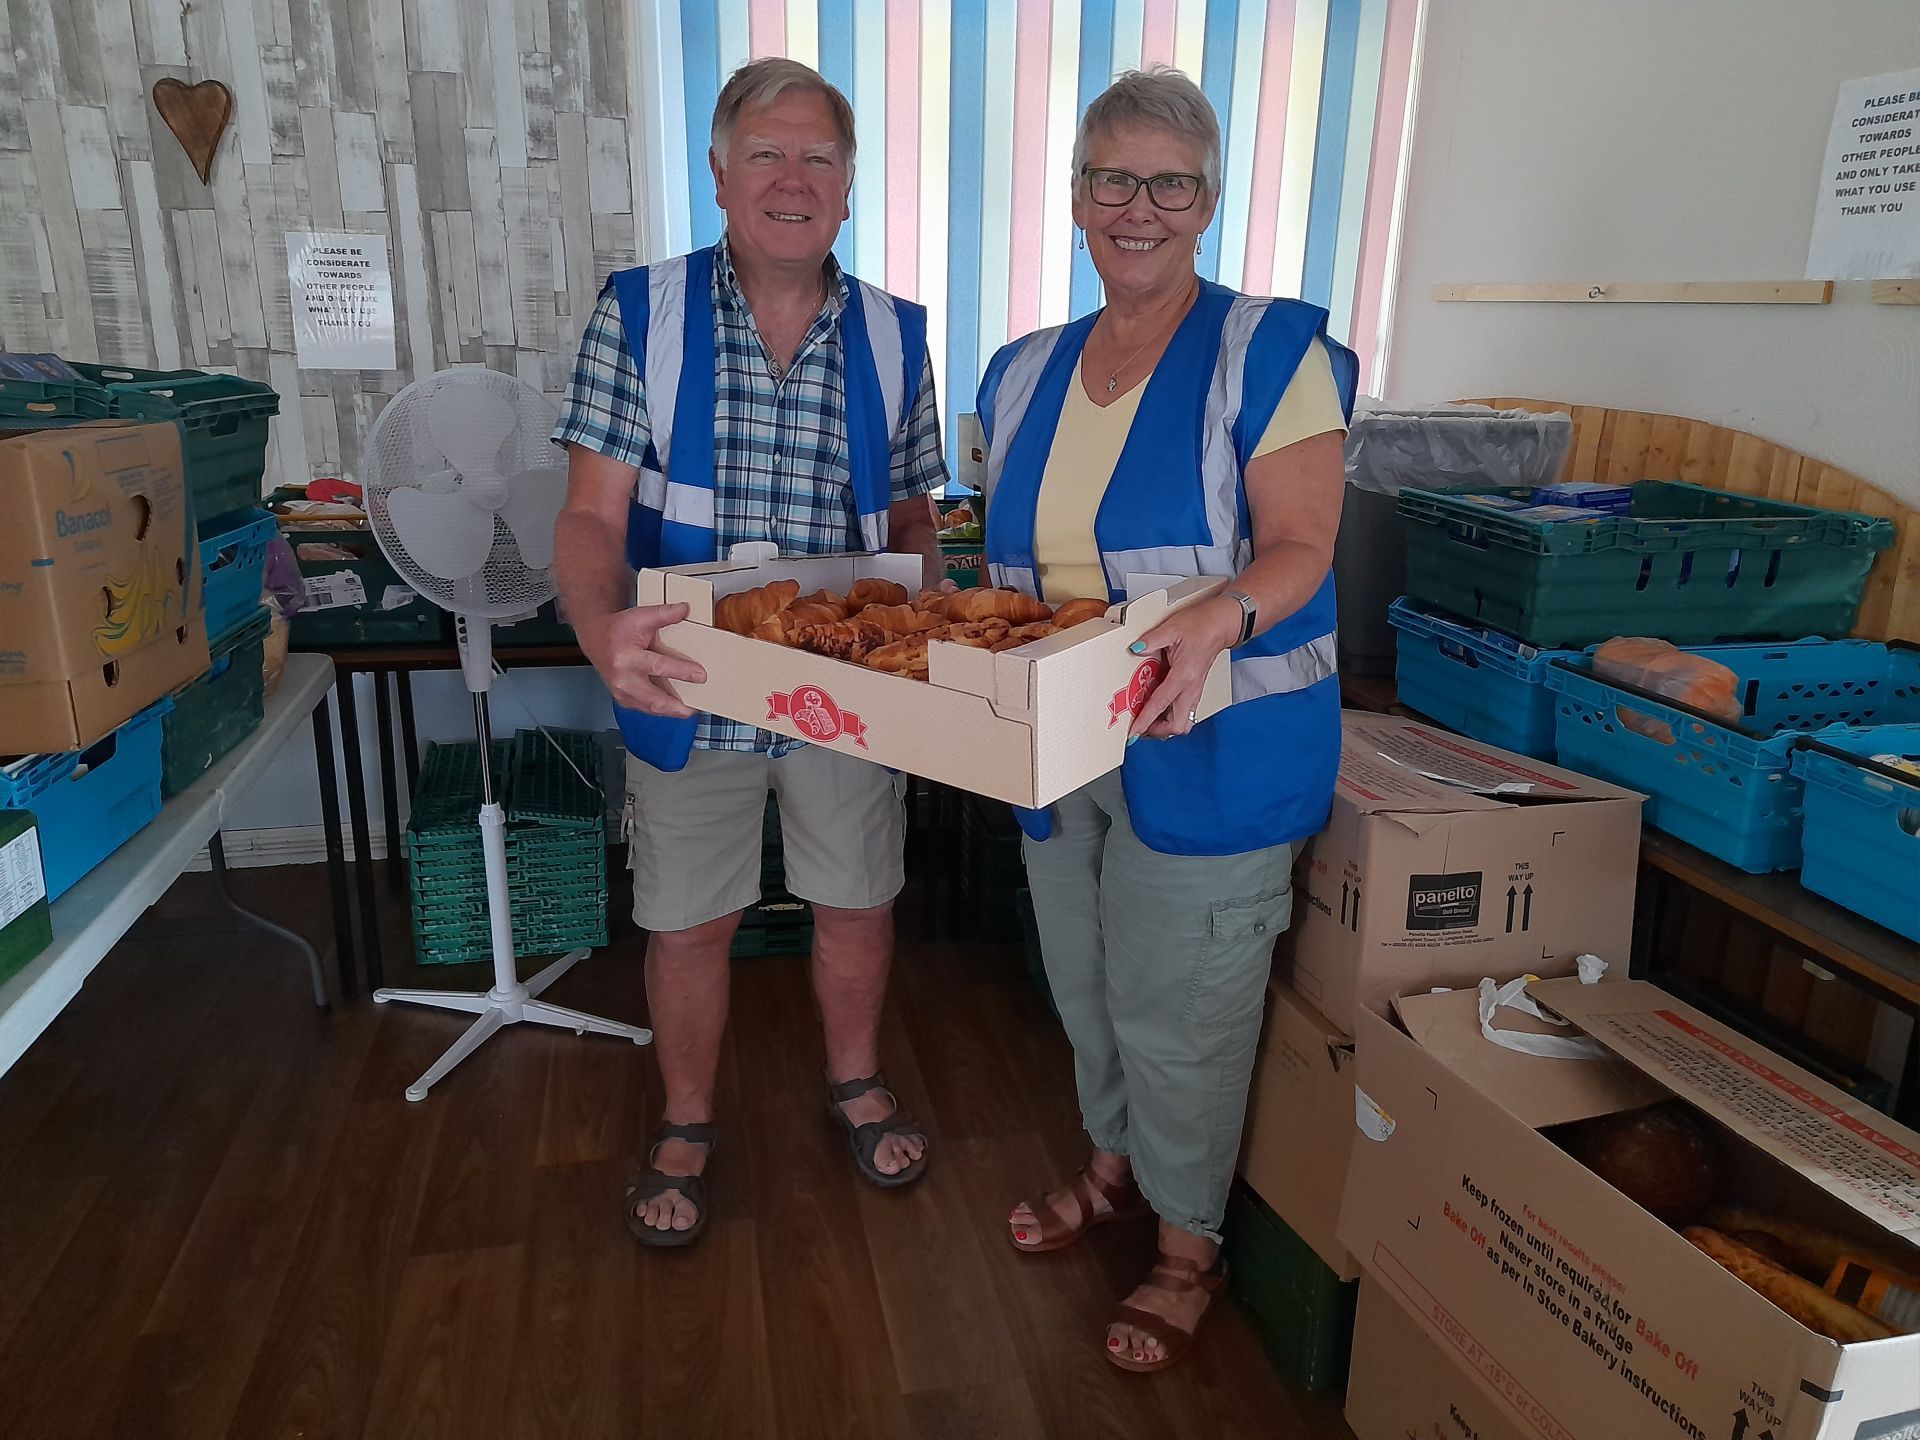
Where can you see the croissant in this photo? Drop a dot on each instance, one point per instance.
(784, 626)
(827, 600)
(740, 613)
(903, 657)
(1008, 605)
(934, 602)
(1078, 612)
(1024, 634)
(844, 639)
(901, 620)
(980, 634)
(875, 592)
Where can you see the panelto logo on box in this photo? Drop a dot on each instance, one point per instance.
(1444, 902)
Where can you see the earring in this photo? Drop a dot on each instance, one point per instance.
(1083, 239)
(1196, 247)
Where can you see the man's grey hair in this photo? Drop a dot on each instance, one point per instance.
(1162, 98)
(759, 83)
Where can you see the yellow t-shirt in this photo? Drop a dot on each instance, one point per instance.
(1087, 446)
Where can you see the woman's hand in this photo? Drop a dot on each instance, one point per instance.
(1187, 641)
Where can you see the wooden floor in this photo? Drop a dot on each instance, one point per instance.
(221, 1218)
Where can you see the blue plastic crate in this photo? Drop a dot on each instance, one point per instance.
(89, 802)
(1731, 790)
(233, 563)
(1474, 680)
(1862, 823)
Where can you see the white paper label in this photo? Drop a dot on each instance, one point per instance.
(397, 596)
(1374, 1122)
(341, 590)
(22, 883)
(342, 291)
(1866, 217)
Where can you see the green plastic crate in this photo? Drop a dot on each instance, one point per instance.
(555, 843)
(992, 870)
(219, 710)
(30, 931)
(1689, 564)
(365, 619)
(223, 418)
(52, 398)
(1302, 1309)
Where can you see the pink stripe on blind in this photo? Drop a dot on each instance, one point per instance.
(1383, 172)
(1033, 52)
(903, 150)
(1263, 204)
(1156, 38)
(766, 27)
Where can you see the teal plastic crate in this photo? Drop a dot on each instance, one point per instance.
(220, 709)
(373, 605)
(1862, 822)
(1474, 680)
(89, 802)
(1730, 789)
(1688, 564)
(48, 391)
(223, 420)
(1302, 1309)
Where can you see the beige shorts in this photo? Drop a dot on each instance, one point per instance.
(694, 835)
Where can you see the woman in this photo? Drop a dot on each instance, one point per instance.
(1182, 430)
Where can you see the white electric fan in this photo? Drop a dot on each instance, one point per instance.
(462, 489)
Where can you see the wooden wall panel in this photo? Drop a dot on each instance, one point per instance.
(487, 139)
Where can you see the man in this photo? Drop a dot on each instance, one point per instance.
(805, 432)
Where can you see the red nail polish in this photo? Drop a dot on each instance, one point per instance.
(1113, 1343)
(1021, 1236)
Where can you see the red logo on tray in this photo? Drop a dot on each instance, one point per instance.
(1128, 699)
(813, 712)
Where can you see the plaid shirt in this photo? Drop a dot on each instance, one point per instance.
(780, 466)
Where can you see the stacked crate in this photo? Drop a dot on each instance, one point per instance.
(552, 789)
(992, 873)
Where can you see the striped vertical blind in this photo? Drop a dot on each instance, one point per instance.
(966, 112)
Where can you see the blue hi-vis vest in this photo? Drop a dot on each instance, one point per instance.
(667, 313)
(1261, 771)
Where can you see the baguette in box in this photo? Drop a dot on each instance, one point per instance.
(1804, 1301)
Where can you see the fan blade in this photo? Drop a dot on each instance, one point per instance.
(469, 424)
(446, 534)
(534, 498)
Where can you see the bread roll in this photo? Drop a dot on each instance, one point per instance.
(1811, 1251)
(1662, 1157)
(1805, 1302)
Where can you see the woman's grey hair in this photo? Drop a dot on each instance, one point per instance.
(759, 83)
(1162, 98)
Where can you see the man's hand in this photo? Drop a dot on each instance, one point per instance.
(621, 649)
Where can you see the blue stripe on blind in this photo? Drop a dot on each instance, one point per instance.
(1330, 151)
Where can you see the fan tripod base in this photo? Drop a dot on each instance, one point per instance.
(511, 1006)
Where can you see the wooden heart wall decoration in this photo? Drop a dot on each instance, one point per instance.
(197, 115)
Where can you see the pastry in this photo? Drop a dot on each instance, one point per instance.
(1078, 612)
(1809, 1250)
(875, 592)
(1008, 605)
(740, 613)
(902, 620)
(903, 657)
(979, 634)
(1025, 635)
(1804, 1301)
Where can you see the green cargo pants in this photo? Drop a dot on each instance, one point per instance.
(1159, 967)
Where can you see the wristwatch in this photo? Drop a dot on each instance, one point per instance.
(1249, 614)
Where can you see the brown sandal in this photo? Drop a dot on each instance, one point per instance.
(1176, 1276)
(1124, 1201)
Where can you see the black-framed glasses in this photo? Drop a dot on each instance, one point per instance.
(1114, 188)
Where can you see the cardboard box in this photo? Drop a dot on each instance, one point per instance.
(1593, 1319)
(1404, 1386)
(1446, 860)
(1025, 726)
(100, 606)
(1299, 1132)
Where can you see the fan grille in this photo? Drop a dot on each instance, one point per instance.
(402, 451)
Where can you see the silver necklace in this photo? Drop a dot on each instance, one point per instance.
(774, 367)
(1113, 378)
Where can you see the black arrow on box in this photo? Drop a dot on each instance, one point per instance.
(1526, 908)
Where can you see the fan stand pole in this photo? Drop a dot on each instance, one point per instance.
(511, 1000)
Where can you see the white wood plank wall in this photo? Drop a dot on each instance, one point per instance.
(503, 211)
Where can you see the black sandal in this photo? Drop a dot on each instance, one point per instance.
(650, 1184)
(866, 1138)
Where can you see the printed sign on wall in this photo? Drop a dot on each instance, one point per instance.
(1866, 217)
(342, 290)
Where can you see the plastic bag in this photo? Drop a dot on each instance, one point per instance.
(1390, 447)
(1662, 669)
(1494, 995)
(282, 585)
